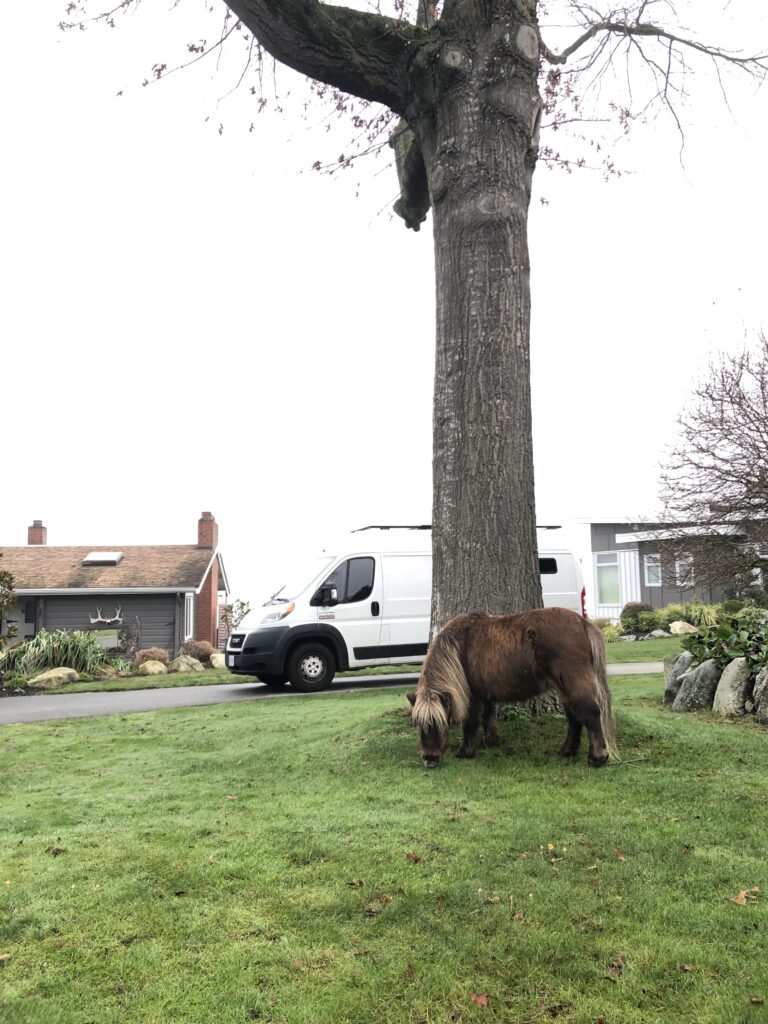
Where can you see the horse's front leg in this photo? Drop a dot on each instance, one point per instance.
(471, 723)
(489, 724)
(585, 712)
(570, 747)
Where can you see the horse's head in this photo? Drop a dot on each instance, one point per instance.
(430, 713)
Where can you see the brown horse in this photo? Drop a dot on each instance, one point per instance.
(480, 659)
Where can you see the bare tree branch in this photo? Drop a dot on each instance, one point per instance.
(755, 64)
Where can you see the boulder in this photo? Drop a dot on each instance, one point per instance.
(656, 634)
(698, 688)
(152, 668)
(675, 667)
(186, 663)
(681, 628)
(54, 678)
(760, 696)
(218, 660)
(734, 689)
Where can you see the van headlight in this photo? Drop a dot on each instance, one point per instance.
(280, 613)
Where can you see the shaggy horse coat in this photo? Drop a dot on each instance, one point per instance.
(478, 660)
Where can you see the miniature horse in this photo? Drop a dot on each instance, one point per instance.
(479, 659)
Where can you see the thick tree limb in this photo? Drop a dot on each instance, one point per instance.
(360, 53)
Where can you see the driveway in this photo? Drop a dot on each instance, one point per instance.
(43, 707)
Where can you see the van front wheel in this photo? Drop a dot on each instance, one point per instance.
(311, 668)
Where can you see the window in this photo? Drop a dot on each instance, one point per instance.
(547, 566)
(359, 579)
(607, 566)
(189, 616)
(352, 579)
(653, 570)
(684, 571)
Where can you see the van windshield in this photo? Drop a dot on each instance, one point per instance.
(299, 578)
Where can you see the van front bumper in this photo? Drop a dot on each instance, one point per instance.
(261, 652)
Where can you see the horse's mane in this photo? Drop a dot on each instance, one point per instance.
(442, 695)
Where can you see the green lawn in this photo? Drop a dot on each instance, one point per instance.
(625, 652)
(291, 861)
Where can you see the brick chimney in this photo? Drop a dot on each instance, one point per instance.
(207, 610)
(207, 531)
(37, 533)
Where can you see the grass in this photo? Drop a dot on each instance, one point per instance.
(617, 653)
(291, 861)
(623, 652)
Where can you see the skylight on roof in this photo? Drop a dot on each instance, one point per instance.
(103, 558)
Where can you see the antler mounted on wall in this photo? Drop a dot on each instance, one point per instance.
(116, 620)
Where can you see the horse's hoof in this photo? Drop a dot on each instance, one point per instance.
(465, 753)
(597, 762)
(567, 752)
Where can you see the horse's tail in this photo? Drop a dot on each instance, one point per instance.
(442, 682)
(601, 692)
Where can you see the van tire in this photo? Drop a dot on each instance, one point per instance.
(311, 668)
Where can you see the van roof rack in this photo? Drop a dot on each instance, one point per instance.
(389, 526)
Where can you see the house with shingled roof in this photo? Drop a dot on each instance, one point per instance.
(166, 594)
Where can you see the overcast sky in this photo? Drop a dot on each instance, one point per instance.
(194, 320)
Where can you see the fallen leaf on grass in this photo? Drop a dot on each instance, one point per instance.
(5, 956)
(356, 883)
(620, 855)
(756, 1002)
(56, 851)
(481, 1000)
(746, 896)
(687, 968)
(414, 858)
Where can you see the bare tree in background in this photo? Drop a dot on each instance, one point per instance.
(716, 477)
(472, 85)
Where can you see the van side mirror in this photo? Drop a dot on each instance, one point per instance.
(325, 595)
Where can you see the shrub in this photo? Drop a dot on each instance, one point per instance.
(57, 648)
(700, 614)
(200, 649)
(629, 615)
(723, 643)
(750, 616)
(671, 613)
(648, 621)
(601, 623)
(727, 609)
(611, 633)
(151, 654)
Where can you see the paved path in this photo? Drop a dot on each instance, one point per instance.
(43, 707)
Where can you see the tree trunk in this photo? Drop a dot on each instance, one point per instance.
(466, 86)
(479, 142)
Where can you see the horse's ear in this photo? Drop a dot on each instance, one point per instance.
(411, 698)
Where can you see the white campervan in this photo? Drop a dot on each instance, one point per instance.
(367, 605)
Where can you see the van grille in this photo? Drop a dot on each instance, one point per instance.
(236, 641)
